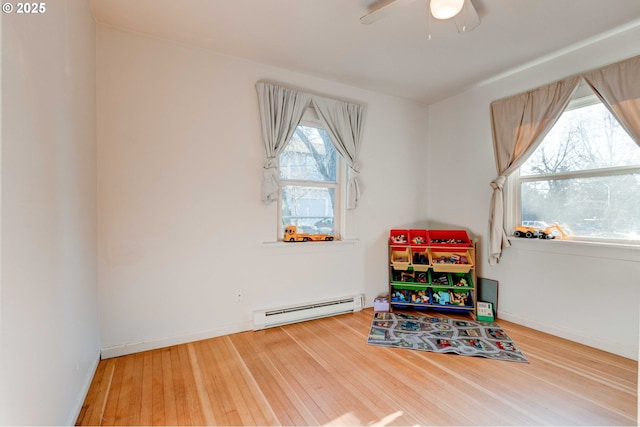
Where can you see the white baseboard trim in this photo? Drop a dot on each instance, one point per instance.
(628, 351)
(86, 384)
(137, 347)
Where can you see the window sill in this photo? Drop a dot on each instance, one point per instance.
(623, 252)
(307, 247)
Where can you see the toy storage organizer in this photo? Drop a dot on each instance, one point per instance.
(432, 269)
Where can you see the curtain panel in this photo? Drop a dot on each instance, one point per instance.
(281, 110)
(618, 87)
(343, 122)
(521, 122)
(518, 125)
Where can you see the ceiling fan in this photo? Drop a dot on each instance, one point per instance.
(462, 12)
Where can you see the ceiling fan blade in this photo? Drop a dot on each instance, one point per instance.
(468, 18)
(382, 9)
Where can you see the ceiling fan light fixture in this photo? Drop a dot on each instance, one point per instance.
(445, 9)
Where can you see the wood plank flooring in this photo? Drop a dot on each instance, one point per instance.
(322, 372)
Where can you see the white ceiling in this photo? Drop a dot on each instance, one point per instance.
(325, 38)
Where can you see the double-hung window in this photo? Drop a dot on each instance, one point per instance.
(310, 184)
(584, 175)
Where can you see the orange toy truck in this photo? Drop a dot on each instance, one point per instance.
(529, 230)
(291, 235)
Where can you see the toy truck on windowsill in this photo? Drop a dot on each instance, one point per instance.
(291, 235)
(540, 233)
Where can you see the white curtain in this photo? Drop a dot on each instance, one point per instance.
(281, 110)
(343, 122)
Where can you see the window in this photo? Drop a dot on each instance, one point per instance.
(585, 175)
(310, 181)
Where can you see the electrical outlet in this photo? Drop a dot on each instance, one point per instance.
(238, 295)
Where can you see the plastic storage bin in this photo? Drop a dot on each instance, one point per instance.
(439, 279)
(461, 280)
(420, 259)
(452, 262)
(448, 298)
(449, 238)
(409, 276)
(400, 258)
(399, 237)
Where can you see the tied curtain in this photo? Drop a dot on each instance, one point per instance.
(343, 123)
(281, 110)
(521, 122)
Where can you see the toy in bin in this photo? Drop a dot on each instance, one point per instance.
(458, 238)
(400, 238)
(461, 282)
(420, 258)
(408, 276)
(400, 295)
(442, 297)
(451, 259)
(420, 297)
(439, 278)
(459, 298)
(448, 297)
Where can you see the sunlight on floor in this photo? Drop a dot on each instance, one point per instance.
(347, 419)
(388, 419)
(350, 419)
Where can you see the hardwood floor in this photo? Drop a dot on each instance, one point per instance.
(323, 372)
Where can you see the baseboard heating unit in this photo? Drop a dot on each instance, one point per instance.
(299, 313)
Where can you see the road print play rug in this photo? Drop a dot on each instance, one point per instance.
(443, 335)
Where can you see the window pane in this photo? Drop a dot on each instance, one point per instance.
(583, 138)
(601, 207)
(309, 156)
(309, 208)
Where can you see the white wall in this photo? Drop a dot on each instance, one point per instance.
(49, 295)
(587, 294)
(181, 223)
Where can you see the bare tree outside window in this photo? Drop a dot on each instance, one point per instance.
(585, 175)
(309, 178)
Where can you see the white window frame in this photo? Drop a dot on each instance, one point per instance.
(311, 119)
(513, 198)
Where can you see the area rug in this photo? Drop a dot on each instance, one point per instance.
(443, 335)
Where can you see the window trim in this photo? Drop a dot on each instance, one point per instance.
(585, 173)
(583, 97)
(311, 119)
(513, 212)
